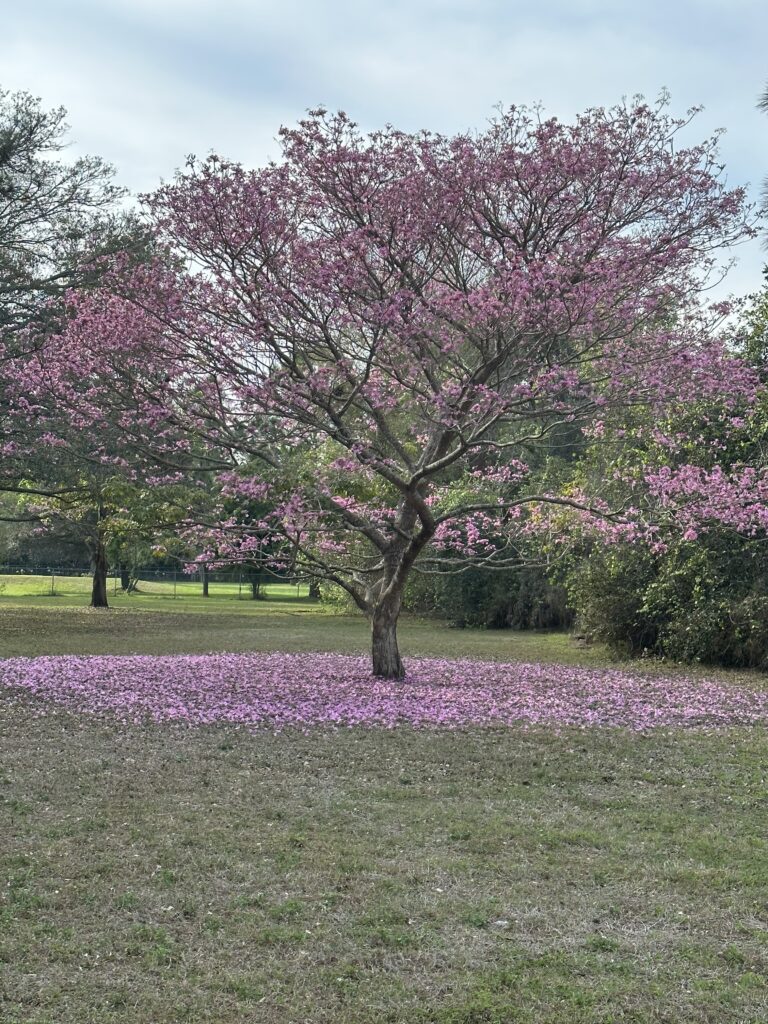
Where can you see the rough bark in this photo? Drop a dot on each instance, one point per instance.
(387, 663)
(100, 569)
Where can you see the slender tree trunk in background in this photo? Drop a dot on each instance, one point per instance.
(385, 653)
(100, 569)
(314, 589)
(255, 588)
(204, 579)
(125, 578)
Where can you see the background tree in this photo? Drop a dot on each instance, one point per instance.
(60, 221)
(426, 310)
(54, 215)
(754, 337)
(116, 522)
(697, 594)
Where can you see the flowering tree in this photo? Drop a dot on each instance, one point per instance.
(60, 223)
(374, 334)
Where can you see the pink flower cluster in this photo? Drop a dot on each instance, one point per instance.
(273, 691)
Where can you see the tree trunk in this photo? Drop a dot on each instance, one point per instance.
(100, 569)
(125, 578)
(204, 579)
(255, 588)
(386, 656)
(314, 589)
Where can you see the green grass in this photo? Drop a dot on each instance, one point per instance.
(75, 591)
(34, 623)
(169, 875)
(477, 877)
(27, 630)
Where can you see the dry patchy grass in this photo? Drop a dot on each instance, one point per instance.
(483, 876)
(477, 877)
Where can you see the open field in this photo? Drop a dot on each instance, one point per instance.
(30, 629)
(206, 875)
(32, 622)
(76, 590)
(481, 876)
(38, 625)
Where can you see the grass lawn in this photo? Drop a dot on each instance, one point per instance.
(160, 874)
(76, 590)
(32, 622)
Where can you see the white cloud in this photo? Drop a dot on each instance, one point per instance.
(148, 81)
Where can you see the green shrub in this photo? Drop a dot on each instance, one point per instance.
(705, 601)
(607, 588)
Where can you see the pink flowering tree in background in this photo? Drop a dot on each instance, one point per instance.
(371, 340)
(60, 224)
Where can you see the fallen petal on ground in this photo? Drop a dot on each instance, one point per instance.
(302, 690)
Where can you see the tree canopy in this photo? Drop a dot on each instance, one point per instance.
(380, 331)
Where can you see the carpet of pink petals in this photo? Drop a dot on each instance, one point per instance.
(274, 691)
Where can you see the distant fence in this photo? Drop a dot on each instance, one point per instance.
(233, 583)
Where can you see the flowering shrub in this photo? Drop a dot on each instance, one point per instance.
(302, 690)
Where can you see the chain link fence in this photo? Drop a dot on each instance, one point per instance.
(222, 584)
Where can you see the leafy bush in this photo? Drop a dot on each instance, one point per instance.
(607, 588)
(705, 601)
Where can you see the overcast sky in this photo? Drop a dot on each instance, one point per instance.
(147, 82)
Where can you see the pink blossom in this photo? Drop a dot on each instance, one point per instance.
(272, 691)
